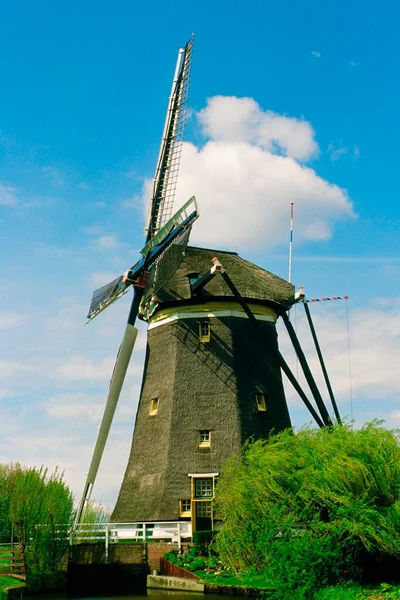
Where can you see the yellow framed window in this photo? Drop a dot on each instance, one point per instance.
(185, 507)
(204, 438)
(205, 331)
(260, 400)
(153, 407)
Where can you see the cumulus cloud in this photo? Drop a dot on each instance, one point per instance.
(248, 172)
(230, 119)
(244, 193)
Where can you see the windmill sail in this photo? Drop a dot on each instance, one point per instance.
(172, 234)
(166, 242)
(166, 175)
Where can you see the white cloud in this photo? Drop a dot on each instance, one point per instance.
(246, 176)
(83, 185)
(78, 367)
(10, 319)
(75, 404)
(374, 344)
(106, 242)
(9, 368)
(316, 54)
(336, 152)
(8, 195)
(101, 278)
(244, 194)
(231, 119)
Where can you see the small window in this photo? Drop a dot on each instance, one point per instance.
(203, 488)
(153, 407)
(204, 438)
(203, 509)
(185, 508)
(205, 331)
(260, 399)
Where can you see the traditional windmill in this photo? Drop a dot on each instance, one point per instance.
(212, 374)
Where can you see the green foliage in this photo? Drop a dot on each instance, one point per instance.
(189, 560)
(202, 541)
(305, 508)
(7, 582)
(384, 591)
(38, 506)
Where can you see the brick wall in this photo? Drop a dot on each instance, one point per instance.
(88, 554)
(156, 551)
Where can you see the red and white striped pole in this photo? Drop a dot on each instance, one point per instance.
(291, 241)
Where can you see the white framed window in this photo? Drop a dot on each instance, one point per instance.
(153, 407)
(260, 400)
(204, 438)
(185, 507)
(203, 488)
(205, 331)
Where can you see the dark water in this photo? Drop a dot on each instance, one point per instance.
(151, 595)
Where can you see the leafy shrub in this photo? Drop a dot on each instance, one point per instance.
(306, 508)
(202, 541)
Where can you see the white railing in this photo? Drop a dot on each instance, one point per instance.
(169, 531)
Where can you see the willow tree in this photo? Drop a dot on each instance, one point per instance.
(37, 505)
(308, 507)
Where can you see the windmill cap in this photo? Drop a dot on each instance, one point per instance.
(252, 281)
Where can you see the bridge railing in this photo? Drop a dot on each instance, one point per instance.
(169, 531)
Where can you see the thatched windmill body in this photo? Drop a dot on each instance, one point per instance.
(208, 385)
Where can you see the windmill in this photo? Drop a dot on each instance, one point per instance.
(166, 240)
(213, 369)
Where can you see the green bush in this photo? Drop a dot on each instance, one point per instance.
(38, 507)
(307, 508)
(202, 541)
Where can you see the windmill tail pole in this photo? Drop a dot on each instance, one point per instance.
(306, 370)
(322, 363)
(117, 380)
(286, 369)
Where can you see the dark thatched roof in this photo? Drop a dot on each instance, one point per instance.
(253, 282)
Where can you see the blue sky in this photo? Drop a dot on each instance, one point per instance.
(295, 101)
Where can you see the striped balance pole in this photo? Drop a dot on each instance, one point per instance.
(327, 298)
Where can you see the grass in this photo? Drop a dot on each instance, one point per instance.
(246, 580)
(6, 582)
(3, 565)
(384, 591)
(350, 591)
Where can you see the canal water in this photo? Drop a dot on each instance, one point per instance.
(151, 595)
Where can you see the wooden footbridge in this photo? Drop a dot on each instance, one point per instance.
(12, 562)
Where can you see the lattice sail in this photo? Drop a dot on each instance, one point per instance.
(166, 176)
(161, 256)
(105, 295)
(168, 262)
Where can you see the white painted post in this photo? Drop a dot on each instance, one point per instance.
(107, 531)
